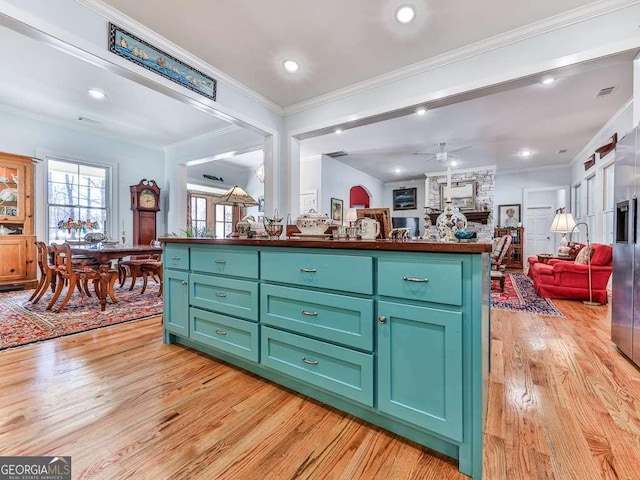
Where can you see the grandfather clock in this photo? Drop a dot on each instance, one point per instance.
(145, 203)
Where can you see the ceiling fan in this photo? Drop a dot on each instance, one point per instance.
(443, 155)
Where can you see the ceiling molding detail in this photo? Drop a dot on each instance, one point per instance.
(516, 35)
(122, 20)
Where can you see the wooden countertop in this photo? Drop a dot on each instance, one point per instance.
(394, 245)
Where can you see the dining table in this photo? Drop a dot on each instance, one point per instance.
(104, 254)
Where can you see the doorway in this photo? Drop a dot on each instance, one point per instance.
(538, 220)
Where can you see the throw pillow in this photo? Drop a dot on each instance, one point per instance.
(584, 256)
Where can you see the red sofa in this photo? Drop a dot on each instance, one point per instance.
(568, 279)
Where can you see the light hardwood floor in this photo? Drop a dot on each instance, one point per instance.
(563, 404)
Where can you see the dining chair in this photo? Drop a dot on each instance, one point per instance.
(47, 272)
(76, 275)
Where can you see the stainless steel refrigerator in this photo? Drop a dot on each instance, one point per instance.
(625, 303)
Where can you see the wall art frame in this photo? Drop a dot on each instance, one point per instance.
(337, 208)
(463, 195)
(129, 46)
(507, 220)
(405, 198)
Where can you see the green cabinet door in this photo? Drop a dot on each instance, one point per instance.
(176, 301)
(420, 366)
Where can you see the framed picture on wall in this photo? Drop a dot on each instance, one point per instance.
(509, 215)
(405, 199)
(260, 204)
(336, 209)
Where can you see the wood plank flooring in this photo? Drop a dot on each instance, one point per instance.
(563, 404)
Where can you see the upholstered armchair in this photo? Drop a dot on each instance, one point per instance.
(570, 278)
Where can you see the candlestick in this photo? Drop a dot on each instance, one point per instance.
(449, 183)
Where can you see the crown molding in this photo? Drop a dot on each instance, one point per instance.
(481, 168)
(128, 23)
(541, 168)
(556, 22)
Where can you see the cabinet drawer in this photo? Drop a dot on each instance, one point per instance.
(336, 318)
(225, 261)
(336, 272)
(337, 369)
(176, 256)
(224, 295)
(231, 335)
(423, 279)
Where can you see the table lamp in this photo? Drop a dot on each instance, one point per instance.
(351, 216)
(563, 223)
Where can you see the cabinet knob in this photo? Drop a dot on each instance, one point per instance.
(12, 270)
(185, 283)
(220, 261)
(222, 333)
(222, 295)
(382, 319)
(175, 258)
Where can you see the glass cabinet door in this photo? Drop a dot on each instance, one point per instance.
(12, 192)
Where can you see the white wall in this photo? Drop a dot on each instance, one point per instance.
(337, 180)
(26, 136)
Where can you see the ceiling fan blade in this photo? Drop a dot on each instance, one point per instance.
(460, 149)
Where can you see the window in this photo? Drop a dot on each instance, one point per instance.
(591, 206)
(198, 213)
(223, 220)
(77, 200)
(607, 207)
(576, 202)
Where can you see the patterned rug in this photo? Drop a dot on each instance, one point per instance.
(520, 296)
(21, 322)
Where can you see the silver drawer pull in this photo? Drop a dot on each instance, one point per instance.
(175, 258)
(221, 261)
(414, 279)
(185, 283)
(310, 362)
(310, 314)
(308, 270)
(218, 294)
(221, 332)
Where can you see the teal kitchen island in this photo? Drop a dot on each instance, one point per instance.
(395, 333)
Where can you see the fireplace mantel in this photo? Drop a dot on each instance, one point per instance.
(478, 217)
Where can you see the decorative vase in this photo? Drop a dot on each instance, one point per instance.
(449, 221)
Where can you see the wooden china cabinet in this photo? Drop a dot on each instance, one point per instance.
(17, 239)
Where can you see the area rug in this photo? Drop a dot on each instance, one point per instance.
(21, 322)
(520, 296)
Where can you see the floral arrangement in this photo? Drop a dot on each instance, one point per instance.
(71, 224)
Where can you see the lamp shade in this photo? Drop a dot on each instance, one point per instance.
(563, 223)
(351, 216)
(235, 196)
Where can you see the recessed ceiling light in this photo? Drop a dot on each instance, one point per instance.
(97, 94)
(291, 66)
(421, 111)
(548, 80)
(454, 163)
(405, 14)
(338, 131)
(525, 153)
(397, 170)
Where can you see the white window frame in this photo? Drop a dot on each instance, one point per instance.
(608, 195)
(110, 228)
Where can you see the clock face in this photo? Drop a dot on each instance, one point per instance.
(147, 199)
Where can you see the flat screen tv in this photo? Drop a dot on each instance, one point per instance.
(412, 223)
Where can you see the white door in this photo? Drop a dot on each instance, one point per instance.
(538, 237)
